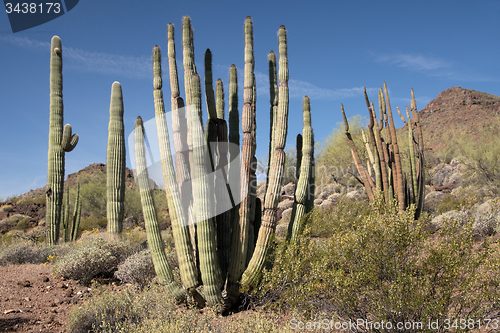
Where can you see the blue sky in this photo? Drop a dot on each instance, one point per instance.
(334, 49)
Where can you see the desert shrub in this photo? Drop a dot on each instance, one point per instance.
(451, 202)
(386, 266)
(25, 252)
(137, 269)
(153, 311)
(345, 212)
(90, 259)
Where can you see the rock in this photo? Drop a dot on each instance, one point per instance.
(24, 283)
(282, 229)
(329, 190)
(68, 292)
(285, 216)
(317, 202)
(487, 218)
(353, 195)
(286, 197)
(334, 197)
(284, 205)
(461, 216)
(447, 175)
(326, 204)
(288, 189)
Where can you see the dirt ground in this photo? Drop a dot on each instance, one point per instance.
(31, 300)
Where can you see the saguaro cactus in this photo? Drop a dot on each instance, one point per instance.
(115, 163)
(60, 141)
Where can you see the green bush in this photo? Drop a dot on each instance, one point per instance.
(90, 259)
(386, 266)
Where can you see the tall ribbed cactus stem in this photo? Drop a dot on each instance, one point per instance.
(203, 203)
(155, 241)
(60, 141)
(76, 215)
(115, 163)
(239, 246)
(359, 166)
(398, 175)
(269, 218)
(180, 228)
(301, 192)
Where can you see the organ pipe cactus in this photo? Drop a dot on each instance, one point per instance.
(155, 242)
(239, 246)
(76, 215)
(180, 228)
(115, 163)
(303, 185)
(208, 253)
(70, 230)
(393, 180)
(60, 141)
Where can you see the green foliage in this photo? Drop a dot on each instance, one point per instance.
(334, 159)
(386, 266)
(89, 259)
(344, 213)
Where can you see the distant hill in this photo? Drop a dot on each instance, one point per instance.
(459, 111)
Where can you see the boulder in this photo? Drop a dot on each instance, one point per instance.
(487, 218)
(453, 215)
(447, 175)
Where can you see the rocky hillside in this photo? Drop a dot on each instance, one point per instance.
(459, 110)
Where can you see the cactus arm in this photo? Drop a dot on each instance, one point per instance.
(413, 162)
(180, 229)
(252, 273)
(155, 241)
(234, 144)
(273, 93)
(65, 218)
(239, 246)
(381, 157)
(69, 141)
(301, 191)
(76, 215)
(385, 146)
(398, 176)
(222, 188)
(209, 88)
(357, 162)
(373, 143)
(115, 163)
(203, 206)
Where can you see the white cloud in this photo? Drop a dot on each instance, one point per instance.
(95, 62)
(415, 62)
